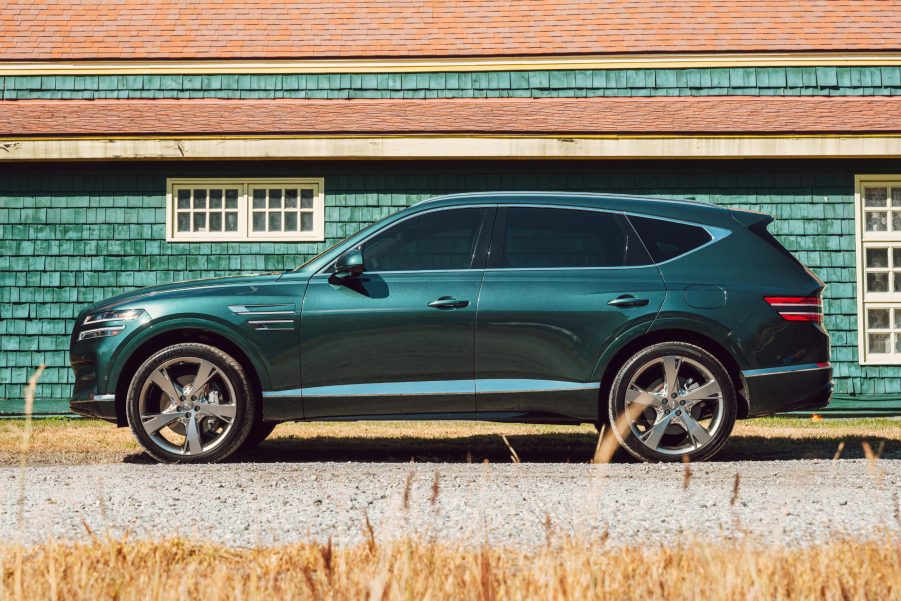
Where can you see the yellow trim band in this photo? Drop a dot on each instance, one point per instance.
(416, 65)
(450, 147)
(562, 137)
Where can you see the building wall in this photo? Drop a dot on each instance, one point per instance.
(762, 81)
(73, 234)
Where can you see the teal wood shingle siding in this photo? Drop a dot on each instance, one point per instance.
(764, 81)
(74, 234)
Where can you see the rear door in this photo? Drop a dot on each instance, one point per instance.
(561, 285)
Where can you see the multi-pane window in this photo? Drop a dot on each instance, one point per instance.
(283, 209)
(879, 268)
(882, 209)
(203, 209)
(245, 210)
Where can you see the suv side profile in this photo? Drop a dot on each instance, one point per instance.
(669, 319)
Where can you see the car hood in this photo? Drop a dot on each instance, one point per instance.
(140, 294)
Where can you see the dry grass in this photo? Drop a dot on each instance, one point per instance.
(66, 441)
(78, 441)
(418, 569)
(412, 570)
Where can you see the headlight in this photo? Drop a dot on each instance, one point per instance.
(100, 332)
(120, 315)
(107, 316)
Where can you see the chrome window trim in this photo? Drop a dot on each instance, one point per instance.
(716, 234)
(471, 270)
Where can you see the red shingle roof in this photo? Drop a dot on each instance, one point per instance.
(547, 116)
(183, 29)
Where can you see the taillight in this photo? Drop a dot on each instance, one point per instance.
(797, 308)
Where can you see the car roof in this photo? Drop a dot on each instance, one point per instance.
(673, 208)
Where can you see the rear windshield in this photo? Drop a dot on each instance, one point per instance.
(668, 239)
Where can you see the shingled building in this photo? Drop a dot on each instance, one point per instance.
(139, 142)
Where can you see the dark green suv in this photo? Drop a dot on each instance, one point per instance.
(670, 319)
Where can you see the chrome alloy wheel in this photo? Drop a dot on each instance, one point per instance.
(187, 406)
(677, 403)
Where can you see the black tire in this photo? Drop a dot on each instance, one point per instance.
(229, 375)
(690, 359)
(258, 433)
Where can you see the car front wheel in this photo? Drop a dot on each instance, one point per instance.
(672, 401)
(190, 403)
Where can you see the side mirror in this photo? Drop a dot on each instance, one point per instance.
(349, 264)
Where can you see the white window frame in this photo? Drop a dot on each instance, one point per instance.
(245, 232)
(875, 300)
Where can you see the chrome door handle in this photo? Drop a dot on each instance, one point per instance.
(448, 302)
(627, 300)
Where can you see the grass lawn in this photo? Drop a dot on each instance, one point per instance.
(71, 441)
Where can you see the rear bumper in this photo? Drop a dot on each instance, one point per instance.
(99, 406)
(787, 388)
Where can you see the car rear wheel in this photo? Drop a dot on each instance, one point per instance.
(671, 401)
(190, 403)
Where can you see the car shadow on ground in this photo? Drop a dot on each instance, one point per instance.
(532, 448)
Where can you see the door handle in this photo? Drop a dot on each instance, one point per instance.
(448, 302)
(627, 300)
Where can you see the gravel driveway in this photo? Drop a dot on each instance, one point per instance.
(793, 502)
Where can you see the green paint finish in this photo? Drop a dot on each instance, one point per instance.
(73, 234)
(759, 81)
(419, 333)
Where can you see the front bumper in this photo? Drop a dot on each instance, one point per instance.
(101, 406)
(787, 388)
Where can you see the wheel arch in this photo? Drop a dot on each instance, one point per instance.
(160, 340)
(618, 357)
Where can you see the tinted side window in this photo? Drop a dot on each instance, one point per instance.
(434, 241)
(668, 239)
(538, 238)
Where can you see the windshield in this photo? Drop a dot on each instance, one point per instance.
(308, 261)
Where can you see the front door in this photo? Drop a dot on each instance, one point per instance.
(399, 338)
(561, 285)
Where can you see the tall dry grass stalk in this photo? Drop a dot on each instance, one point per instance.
(177, 569)
(514, 456)
(607, 440)
(25, 445)
(24, 448)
